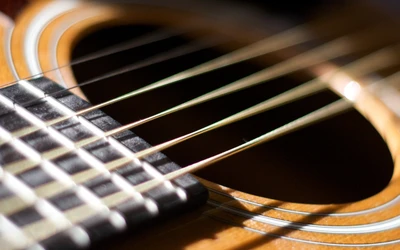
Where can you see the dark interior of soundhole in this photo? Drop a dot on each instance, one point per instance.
(339, 160)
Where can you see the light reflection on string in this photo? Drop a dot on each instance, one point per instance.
(361, 66)
(271, 44)
(320, 54)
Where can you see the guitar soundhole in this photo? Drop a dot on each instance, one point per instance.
(342, 159)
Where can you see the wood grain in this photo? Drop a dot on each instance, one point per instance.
(215, 226)
(6, 26)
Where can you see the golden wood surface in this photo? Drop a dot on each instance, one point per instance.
(6, 26)
(212, 227)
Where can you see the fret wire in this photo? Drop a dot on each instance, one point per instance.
(29, 163)
(276, 42)
(331, 50)
(320, 54)
(372, 62)
(114, 199)
(53, 220)
(78, 214)
(11, 234)
(131, 44)
(119, 197)
(362, 65)
(62, 183)
(279, 41)
(45, 191)
(375, 61)
(83, 213)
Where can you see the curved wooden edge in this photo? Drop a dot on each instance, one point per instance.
(6, 72)
(107, 15)
(59, 37)
(18, 37)
(385, 122)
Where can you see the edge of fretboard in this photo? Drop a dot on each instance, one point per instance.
(180, 194)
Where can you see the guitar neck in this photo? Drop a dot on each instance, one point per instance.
(71, 198)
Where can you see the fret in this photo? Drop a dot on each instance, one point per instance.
(72, 238)
(23, 195)
(74, 198)
(11, 236)
(52, 221)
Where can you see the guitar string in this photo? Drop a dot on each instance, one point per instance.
(315, 51)
(271, 44)
(176, 52)
(334, 49)
(170, 54)
(119, 197)
(285, 39)
(182, 50)
(313, 117)
(328, 111)
(316, 116)
(370, 63)
(281, 40)
(114, 49)
(297, 124)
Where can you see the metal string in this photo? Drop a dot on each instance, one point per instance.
(363, 66)
(271, 44)
(127, 45)
(76, 216)
(319, 115)
(183, 50)
(375, 61)
(328, 51)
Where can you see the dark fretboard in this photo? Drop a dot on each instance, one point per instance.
(47, 206)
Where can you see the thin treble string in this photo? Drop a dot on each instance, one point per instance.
(304, 90)
(321, 114)
(361, 66)
(307, 120)
(375, 61)
(328, 51)
(127, 45)
(371, 63)
(292, 95)
(268, 45)
(168, 55)
(331, 50)
(121, 196)
(183, 50)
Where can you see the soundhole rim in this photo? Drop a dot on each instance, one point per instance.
(296, 193)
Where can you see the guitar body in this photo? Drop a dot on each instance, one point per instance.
(43, 36)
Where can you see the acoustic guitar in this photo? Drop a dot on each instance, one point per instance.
(278, 125)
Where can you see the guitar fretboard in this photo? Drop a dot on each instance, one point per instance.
(73, 200)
